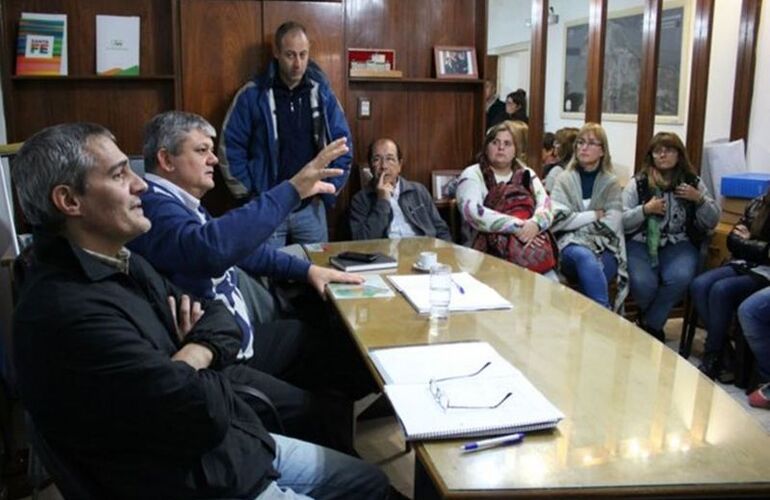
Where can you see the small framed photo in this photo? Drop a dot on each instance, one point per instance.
(455, 62)
(444, 183)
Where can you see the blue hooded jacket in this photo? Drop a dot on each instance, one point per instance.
(248, 148)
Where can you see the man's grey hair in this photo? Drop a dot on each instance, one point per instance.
(58, 155)
(168, 131)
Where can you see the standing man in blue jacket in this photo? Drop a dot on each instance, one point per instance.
(276, 124)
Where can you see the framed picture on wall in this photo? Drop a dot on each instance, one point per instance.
(455, 62)
(444, 183)
(622, 65)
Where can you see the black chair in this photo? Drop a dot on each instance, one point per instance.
(263, 399)
(690, 320)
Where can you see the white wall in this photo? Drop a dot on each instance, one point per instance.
(504, 18)
(506, 23)
(759, 123)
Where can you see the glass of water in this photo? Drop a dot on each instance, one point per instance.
(440, 291)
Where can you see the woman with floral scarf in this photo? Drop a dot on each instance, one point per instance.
(588, 219)
(506, 206)
(667, 212)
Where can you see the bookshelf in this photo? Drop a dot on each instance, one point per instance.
(124, 103)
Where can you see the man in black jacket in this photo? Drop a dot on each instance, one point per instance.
(126, 378)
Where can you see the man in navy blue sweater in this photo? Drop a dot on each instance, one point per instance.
(217, 258)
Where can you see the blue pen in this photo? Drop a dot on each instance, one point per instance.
(459, 288)
(491, 443)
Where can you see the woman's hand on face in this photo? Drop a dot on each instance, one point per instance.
(656, 206)
(528, 231)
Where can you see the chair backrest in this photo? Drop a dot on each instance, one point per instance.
(71, 483)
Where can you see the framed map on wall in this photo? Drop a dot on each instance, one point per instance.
(622, 66)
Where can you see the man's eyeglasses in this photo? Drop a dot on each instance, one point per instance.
(387, 159)
(583, 143)
(663, 150)
(442, 398)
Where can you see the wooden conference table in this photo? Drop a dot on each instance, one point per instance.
(640, 420)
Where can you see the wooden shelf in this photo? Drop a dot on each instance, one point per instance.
(86, 78)
(428, 81)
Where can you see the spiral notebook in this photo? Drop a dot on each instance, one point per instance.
(496, 400)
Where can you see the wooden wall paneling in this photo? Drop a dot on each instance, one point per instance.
(387, 24)
(744, 70)
(538, 61)
(423, 118)
(490, 68)
(648, 84)
(220, 51)
(123, 108)
(176, 44)
(481, 37)
(701, 56)
(597, 22)
(325, 24)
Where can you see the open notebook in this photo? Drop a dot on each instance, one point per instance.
(468, 293)
(440, 410)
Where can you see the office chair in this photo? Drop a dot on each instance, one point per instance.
(262, 398)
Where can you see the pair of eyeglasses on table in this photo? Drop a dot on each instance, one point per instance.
(442, 398)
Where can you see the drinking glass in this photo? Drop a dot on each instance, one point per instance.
(440, 291)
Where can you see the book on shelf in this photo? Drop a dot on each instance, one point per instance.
(468, 293)
(117, 45)
(41, 47)
(381, 262)
(460, 389)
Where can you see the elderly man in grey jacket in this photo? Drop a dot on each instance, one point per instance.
(391, 206)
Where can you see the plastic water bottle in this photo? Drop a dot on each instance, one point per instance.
(440, 291)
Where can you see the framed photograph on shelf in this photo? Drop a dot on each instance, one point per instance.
(373, 63)
(455, 62)
(444, 184)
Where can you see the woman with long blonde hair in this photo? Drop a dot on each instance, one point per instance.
(588, 219)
